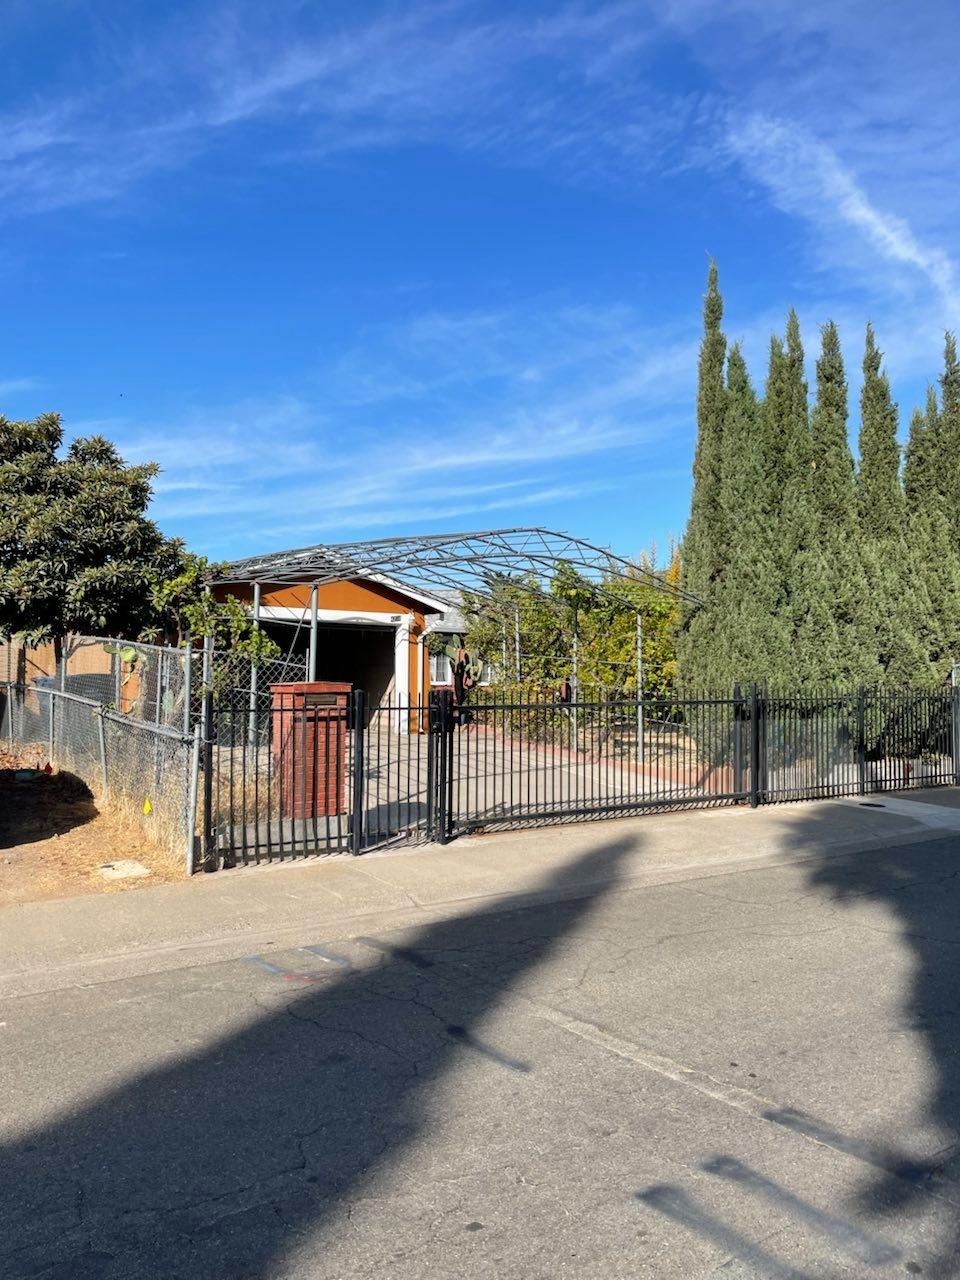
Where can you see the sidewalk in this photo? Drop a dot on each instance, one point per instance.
(51, 945)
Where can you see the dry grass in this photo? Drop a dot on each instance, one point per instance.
(54, 838)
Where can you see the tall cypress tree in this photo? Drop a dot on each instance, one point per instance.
(919, 485)
(831, 474)
(705, 542)
(814, 571)
(808, 620)
(948, 435)
(795, 441)
(879, 493)
(749, 638)
(920, 479)
(787, 430)
(899, 607)
(774, 413)
(834, 503)
(932, 544)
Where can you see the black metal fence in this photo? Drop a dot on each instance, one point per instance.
(835, 743)
(320, 773)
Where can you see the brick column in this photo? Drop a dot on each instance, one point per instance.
(309, 745)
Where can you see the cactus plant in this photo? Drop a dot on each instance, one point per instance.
(466, 670)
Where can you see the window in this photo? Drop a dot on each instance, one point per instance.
(440, 669)
(440, 672)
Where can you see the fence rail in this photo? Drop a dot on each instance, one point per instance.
(835, 743)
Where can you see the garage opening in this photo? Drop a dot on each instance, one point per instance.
(361, 655)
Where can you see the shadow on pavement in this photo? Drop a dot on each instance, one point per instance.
(919, 885)
(218, 1164)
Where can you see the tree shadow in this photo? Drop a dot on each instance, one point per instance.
(219, 1163)
(39, 809)
(919, 885)
(905, 1198)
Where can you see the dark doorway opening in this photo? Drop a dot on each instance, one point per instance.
(361, 655)
(364, 656)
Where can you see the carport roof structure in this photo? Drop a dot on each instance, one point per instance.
(455, 562)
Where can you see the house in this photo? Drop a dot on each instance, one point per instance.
(360, 612)
(369, 631)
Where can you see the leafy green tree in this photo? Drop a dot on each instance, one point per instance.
(705, 543)
(77, 551)
(608, 632)
(183, 604)
(604, 623)
(545, 630)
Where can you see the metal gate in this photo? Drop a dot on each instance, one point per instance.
(508, 763)
(280, 783)
(293, 780)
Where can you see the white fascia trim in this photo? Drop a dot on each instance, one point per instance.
(438, 606)
(292, 613)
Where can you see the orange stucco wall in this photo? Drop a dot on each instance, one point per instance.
(355, 595)
(363, 596)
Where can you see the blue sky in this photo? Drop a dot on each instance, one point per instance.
(346, 270)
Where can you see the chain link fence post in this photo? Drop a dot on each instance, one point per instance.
(102, 742)
(187, 680)
(192, 801)
(206, 733)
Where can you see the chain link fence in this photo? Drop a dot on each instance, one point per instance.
(124, 717)
(147, 682)
(143, 770)
(154, 684)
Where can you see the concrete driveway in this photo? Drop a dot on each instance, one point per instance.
(707, 1044)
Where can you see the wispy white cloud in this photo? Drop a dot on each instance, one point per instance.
(806, 177)
(432, 73)
(15, 386)
(467, 432)
(451, 504)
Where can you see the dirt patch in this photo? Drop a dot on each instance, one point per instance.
(54, 838)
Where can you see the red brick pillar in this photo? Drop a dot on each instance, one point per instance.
(310, 747)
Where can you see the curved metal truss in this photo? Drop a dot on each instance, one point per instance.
(455, 562)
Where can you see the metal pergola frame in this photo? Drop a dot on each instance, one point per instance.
(473, 562)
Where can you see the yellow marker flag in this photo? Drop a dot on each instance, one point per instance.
(147, 806)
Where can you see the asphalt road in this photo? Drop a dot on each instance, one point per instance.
(752, 1073)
